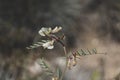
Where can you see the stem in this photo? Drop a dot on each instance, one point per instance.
(65, 51)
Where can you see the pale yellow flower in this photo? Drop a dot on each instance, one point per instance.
(45, 31)
(48, 44)
(56, 29)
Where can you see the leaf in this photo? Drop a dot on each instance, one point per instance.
(94, 51)
(36, 45)
(40, 43)
(86, 52)
(83, 52)
(44, 41)
(43, 64)
(89, 52)
(78, 53)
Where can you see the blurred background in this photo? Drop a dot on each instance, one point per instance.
(87, 24)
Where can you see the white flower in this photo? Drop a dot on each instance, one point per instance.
(48, 44)
(45, 31)
(54, 78)
(56, 29)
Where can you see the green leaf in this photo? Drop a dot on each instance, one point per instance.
(43, 64)
(86, 52)
(94, 51)
(83, 52)
(89, 52)
(78, 52)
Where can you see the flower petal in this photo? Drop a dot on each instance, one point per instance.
(56, 29)
(48, 45)
(45, 31)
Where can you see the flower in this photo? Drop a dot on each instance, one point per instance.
(48, 44)
(45, 31)
(48, 32)
(56, 29)
(54, 78)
